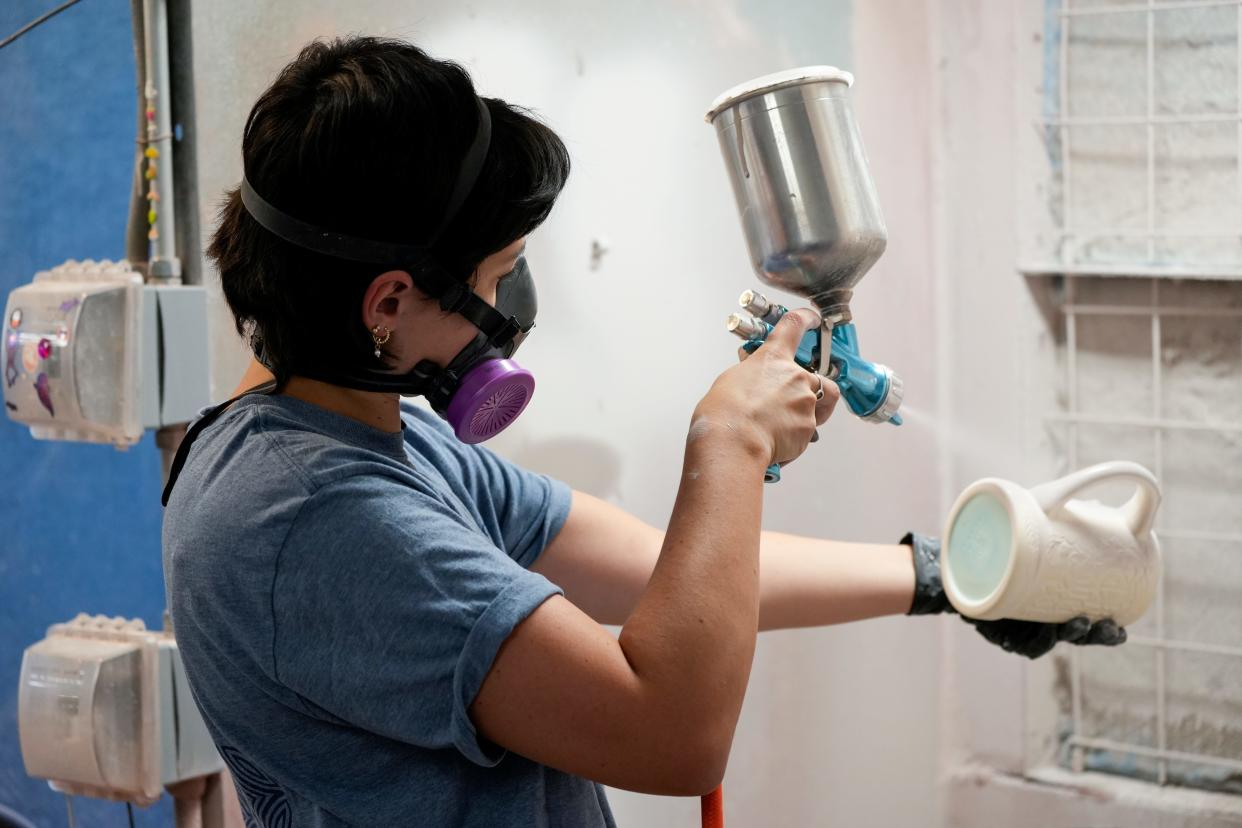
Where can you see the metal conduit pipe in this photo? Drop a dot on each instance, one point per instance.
(163, 265)
(183, 164)
(185, 161)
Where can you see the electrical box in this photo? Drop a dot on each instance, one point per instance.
(92, 354)
(104, 710)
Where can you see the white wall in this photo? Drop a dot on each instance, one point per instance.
(840, 726)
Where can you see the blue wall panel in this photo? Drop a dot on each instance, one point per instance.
(79, 524)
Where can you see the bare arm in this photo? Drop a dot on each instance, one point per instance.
(655, 709)
(809, 582)
(603, 558)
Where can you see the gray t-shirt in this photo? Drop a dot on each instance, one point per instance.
(339, 594)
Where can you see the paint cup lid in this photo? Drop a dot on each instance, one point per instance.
(777, 80)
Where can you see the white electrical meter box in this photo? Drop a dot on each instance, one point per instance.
(104, 710)
(71, 340)
(93, 354)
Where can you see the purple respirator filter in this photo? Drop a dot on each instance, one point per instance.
(490, 397)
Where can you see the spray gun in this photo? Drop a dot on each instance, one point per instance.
(872, 391)
(812, 221)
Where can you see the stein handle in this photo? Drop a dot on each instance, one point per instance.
(1139, 512)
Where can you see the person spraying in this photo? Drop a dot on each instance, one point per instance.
(382, 621)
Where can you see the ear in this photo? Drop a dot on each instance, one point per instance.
(388, 292)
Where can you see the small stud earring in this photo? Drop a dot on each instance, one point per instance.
(380, 340)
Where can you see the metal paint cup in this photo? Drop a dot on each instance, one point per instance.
(808, 206)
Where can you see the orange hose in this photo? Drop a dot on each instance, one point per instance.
(713, 809)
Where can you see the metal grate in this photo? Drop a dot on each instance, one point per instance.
(1157, 120)
(1158, 427)
(1170, 227)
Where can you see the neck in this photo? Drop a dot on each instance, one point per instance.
(375, 409)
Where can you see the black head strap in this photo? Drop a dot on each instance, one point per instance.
(312, 237)
(470, 168)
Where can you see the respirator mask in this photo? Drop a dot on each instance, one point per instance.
(481, 391)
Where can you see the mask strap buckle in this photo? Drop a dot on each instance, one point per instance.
(436, 383)
(505, 334)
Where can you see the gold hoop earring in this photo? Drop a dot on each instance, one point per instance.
(380, 340)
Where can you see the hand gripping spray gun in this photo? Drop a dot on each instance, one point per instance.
(811, 218)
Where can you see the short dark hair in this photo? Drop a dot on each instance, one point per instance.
(364, 136)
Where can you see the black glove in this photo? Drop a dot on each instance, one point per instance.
(1029, 638)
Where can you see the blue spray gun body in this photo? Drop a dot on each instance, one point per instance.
(872, 391)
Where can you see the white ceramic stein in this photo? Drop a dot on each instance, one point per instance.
(1039, 555)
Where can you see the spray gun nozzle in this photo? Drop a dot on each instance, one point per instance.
(754, 302)
(746, 327)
